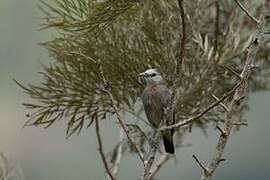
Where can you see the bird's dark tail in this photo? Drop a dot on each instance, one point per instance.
(168, 142)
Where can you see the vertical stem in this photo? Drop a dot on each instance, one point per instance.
(119, 153)
(101, 152)
(217, 27)
(151, 155)
(234, 106)
(107, 89)
(183, 39)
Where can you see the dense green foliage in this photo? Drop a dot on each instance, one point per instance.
(129, 36)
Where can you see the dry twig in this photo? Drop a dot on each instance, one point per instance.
(197, 116)
(160, 162)
(240, 124)
(107, 89)
(184, 34)
(234, 106)
(101, 152)
(151, 156)
(217, 27)
(200, 163)
(247, 12)
(119, 153)
(221, 103)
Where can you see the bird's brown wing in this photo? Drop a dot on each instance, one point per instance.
(155, 100)
(152, 105)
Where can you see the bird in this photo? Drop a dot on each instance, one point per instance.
(156, 97)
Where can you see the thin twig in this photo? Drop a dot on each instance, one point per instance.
(151, 155)
(217, 27)
(119, 153)
(240, 124)
(200, 164)
(184, 34)
(247, 12)
(107, 89)
(160, 162)
(221, 103)
(165, 157)
(234, 106)
(221, 131)
(101, 152)
(199, 115)
(233, 71)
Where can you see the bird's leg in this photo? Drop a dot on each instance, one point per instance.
(153, 142)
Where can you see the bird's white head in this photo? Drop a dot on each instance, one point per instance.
(150, 75)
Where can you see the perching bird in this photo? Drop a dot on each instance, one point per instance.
(156, 97)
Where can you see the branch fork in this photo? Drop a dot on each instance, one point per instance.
(223, 133)
(239, 94)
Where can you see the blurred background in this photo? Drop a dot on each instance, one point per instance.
(43, 154)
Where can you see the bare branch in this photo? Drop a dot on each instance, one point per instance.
(101, 152)
(151, 155)
(160, 162)
(247, 12)
(223, 133)
(240, 124)
(200, 164)
(234, 107)
(233, 71)
(107, 89)
(197, 116)
(217, 26)
(164, 157)
(221, 103)
(184, 34)
(119, 153)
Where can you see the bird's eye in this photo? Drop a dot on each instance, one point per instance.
(154, 74)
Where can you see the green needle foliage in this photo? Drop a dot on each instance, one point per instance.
(129, 36)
